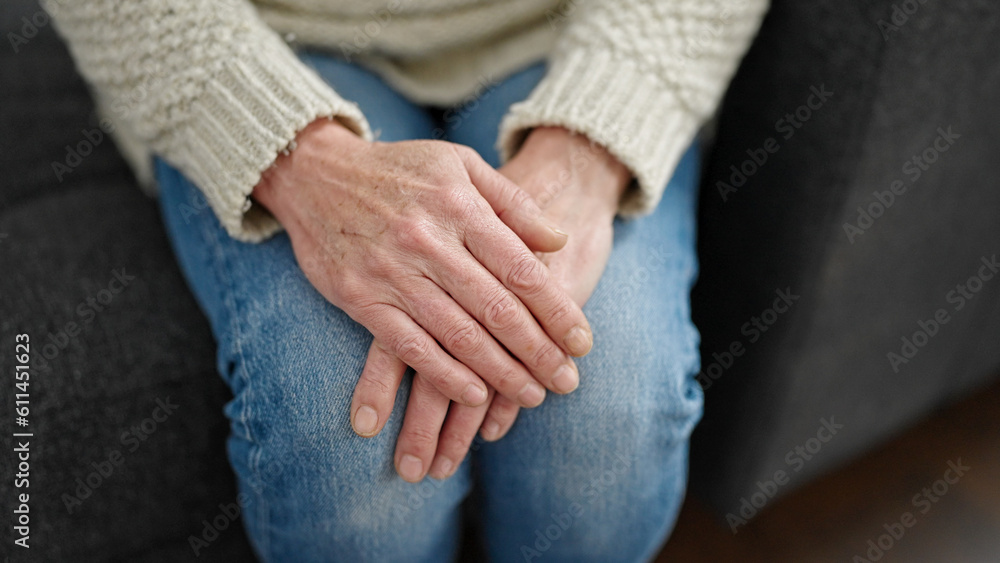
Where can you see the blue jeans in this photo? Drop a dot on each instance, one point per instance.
(598, 474)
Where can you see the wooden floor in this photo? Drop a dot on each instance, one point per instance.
(833, 519)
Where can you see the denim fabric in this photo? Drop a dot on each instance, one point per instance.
(595, 475)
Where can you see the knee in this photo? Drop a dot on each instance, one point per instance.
(619, 442)
(292, 445)
(605, 496)
(638, 386)
(293, 368)
(634, 450)
(315, 486)
(292, 362)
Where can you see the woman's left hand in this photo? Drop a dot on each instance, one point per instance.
(578, 186)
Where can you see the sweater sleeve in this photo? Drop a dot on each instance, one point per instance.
(206, 85)
(638, 77)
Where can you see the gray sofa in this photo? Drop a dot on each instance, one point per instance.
(111, 355)
(864, 279)
(127, 458)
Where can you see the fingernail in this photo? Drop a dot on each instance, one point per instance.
(531, 395)
(411, 468)
(474, 395)
(442, 467)
(578, 341)
(559, 231)
(565, 379)
(365, 420)
(490, 430)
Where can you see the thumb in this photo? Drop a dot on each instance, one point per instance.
(513, 205)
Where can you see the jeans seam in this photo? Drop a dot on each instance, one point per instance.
(223, 271)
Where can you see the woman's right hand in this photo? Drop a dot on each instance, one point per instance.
(430, 249)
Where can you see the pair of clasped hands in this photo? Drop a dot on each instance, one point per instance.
(473, 276)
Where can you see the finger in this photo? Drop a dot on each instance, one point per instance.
(513, 264)
(417, 349)
(468, 342)
(418, 438)
(499, 419)
(456, 436)
(375, 393)
(513, 205)
(507, 319)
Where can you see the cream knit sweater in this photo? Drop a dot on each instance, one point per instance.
(213, 87)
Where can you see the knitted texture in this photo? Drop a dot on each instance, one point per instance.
(213, 88)
(640, 78)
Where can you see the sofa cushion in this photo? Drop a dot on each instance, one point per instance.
(902, 88)
(127, 460)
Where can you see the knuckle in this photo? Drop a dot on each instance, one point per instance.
(424, 438)
(505, 379)
(501, 310)
(350, 291)
(464, 203)
(417, 235)
(464, 151)
(375, 386)
(515, 203)
(456, 441)
(380, 265)
(361, 306)
(545, 356)
(520, 200)
(464, 338)
(350, 287)
(561, 311)
(463, 206)
(412, 349)
(525, 275)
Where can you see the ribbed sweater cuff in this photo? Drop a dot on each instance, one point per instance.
(614, 103)
(248, 113)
